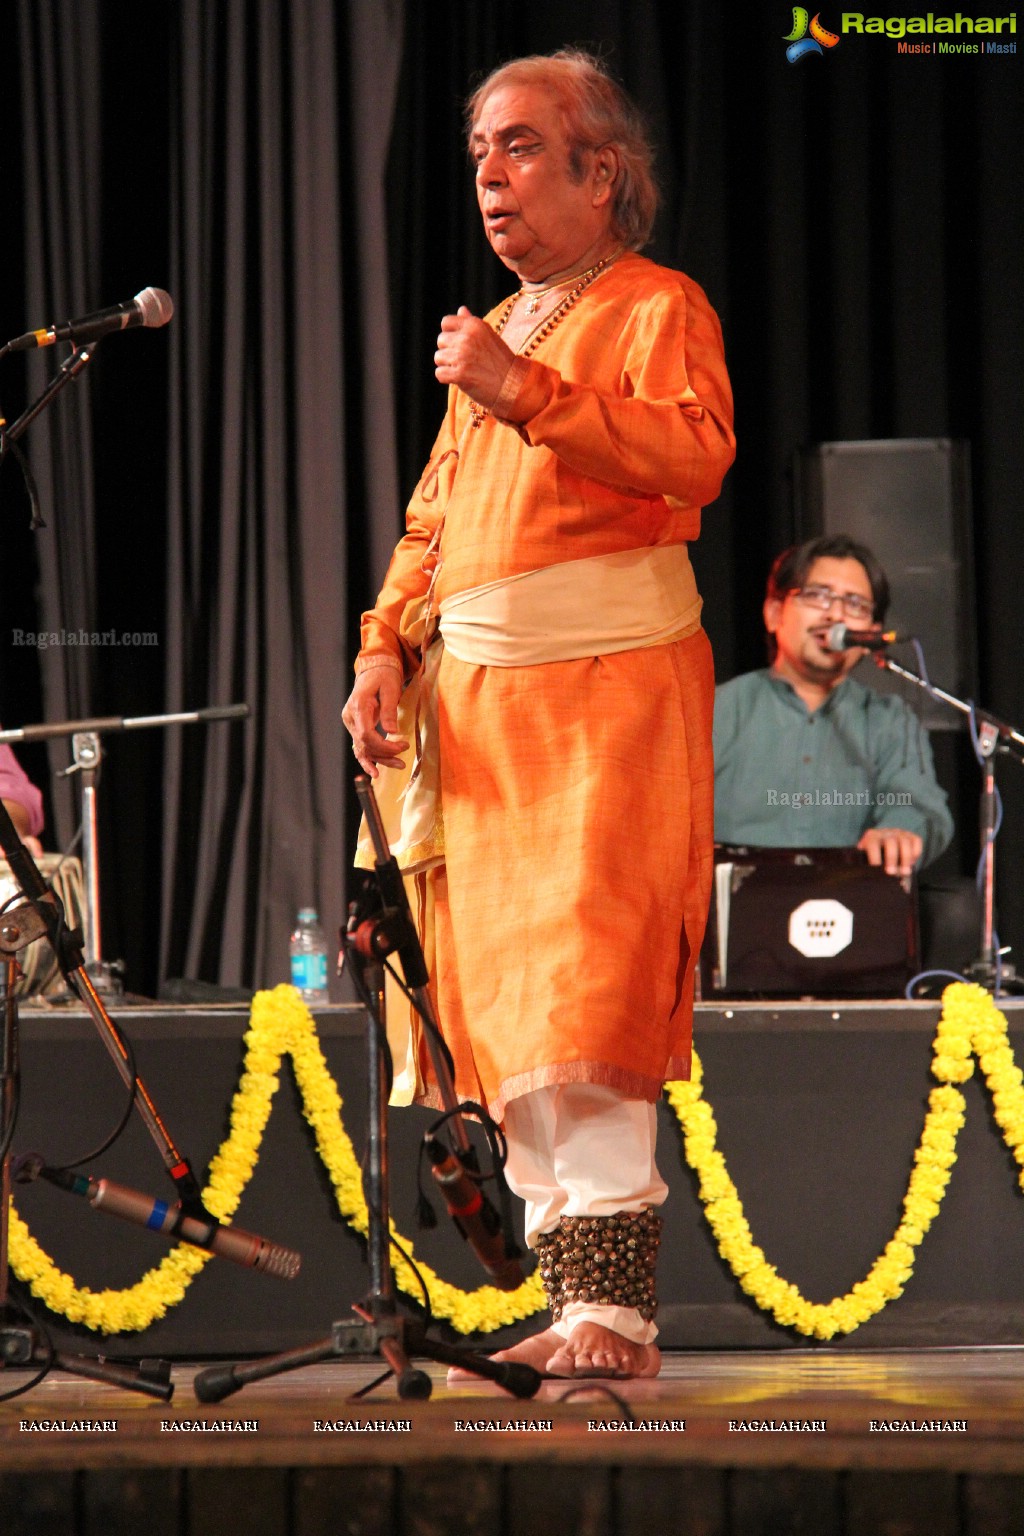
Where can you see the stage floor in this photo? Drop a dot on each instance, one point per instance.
(693, 1453)
(954, 1409)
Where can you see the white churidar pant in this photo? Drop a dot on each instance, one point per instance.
(580, 1149)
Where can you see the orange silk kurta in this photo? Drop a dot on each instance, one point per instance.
(577, 795)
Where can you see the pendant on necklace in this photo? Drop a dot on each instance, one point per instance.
(532, 304)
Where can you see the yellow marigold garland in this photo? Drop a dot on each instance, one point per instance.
(280, 1024)
(970, 1025)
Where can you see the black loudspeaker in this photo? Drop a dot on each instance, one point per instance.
(909, 500)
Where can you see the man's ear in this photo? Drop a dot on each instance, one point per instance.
(772, 612)
(605, 173)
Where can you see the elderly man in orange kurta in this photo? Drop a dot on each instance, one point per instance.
(589, 420)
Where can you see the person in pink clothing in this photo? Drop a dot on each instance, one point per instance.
(22, 800)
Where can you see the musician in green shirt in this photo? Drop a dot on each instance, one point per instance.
(805, 755)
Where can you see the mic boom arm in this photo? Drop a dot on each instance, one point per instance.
(1008, 737)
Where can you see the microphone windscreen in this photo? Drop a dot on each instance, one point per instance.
(155, 305)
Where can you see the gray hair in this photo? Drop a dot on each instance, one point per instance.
(596, 111)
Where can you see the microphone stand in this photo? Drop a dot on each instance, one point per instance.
(88, 755)
(376, 928)
(993, 735)
(68, 371)
(42, 915)
(85, 733)
(21, 1344)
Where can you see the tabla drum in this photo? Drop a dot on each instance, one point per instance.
(41, 975)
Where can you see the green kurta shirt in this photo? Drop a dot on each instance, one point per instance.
(789, 778)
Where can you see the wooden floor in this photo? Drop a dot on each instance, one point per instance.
(716, 1403)
(689, 1453)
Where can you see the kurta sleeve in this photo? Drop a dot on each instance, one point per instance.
(408, 576)
(907, 793)
(667, 428)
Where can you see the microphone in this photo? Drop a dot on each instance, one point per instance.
(839, 638)
(473, 1214)
(151, 307)
(226, 1242)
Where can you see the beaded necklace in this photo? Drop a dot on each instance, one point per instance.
(542, 331)
(533, 296)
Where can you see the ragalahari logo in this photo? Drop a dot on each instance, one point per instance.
(808, 35)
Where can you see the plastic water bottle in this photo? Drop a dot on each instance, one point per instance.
(308, 951)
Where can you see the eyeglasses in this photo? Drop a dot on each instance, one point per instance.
(854, 605)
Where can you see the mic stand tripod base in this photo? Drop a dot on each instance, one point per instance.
(22, 1348)
(389, 1338)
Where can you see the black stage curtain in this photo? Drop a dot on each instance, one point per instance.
(293, 173)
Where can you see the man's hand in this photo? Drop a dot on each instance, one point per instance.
(470, 355)
(892, 848)
(373, 702)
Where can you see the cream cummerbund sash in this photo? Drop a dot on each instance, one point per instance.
(592, 607)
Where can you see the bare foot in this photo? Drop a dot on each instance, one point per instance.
(591, 1350)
